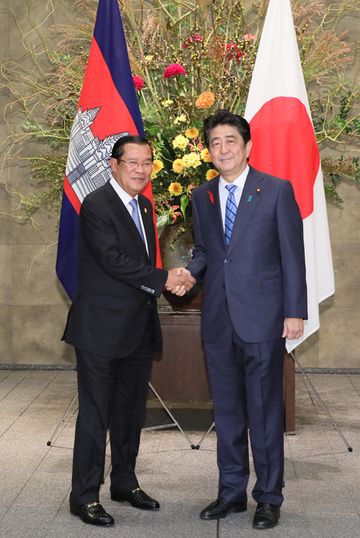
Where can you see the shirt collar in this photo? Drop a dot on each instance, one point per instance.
(239, 181)
(123, 195)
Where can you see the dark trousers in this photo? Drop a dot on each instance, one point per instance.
(246, 382)
(112, 395)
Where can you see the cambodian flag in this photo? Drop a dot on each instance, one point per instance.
(107, 109)
(284, 145)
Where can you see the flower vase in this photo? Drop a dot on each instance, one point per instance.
(176, 244)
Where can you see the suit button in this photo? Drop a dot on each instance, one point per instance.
(226, 260)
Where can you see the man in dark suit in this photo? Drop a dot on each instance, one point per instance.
(114, 326)
(249, 253)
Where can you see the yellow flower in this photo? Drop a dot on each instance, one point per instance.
(192, 132)
(166, 103)
(205, 100)
(191, 160)
(157, 166)
(210, 174)
(205, 155)
(175, 189)
(180, 119)
(148, 58)
(180, 142)
(178, 166)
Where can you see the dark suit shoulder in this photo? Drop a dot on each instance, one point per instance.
(208, 186)
(99, 194)
(263, 176)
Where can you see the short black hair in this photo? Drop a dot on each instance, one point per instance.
(119, 146)
(225, 117)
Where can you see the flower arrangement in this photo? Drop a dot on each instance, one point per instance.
(207, 56)
(201, 69)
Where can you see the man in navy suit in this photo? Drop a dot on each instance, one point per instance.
(114, 326)
(249, 254)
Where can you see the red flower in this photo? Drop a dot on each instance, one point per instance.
(138, 83)
(211, 196)
(233, 52)
(197, 38)
(173, 70)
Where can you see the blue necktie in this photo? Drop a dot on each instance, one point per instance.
(230, 212)
(135, 217)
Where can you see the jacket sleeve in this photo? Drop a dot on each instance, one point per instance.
(197, 264)
(101, 239)
(290, 232)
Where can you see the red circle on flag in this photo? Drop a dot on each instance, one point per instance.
(284, 145)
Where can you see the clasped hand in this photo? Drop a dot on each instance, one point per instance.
(179, 281)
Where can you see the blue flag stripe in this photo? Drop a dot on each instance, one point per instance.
(66, 263)
(110, 37)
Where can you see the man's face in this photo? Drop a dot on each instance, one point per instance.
(133, 169)
(228, 152)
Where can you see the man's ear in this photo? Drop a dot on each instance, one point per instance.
(248, 148)
(112, 163)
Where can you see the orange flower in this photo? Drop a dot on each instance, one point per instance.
(205, 100)
(192, 132)
(210, 174)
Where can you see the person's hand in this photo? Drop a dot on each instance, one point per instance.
(293, 328)
(179, 281)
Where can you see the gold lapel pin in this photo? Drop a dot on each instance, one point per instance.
(258, 190)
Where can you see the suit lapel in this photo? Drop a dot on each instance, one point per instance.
(147, 218)
(250, 197)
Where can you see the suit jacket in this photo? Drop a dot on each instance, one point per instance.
(260, 276)
(118, 281)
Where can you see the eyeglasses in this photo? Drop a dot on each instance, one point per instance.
(132, 165)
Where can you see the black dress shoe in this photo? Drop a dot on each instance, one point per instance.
(92, 513)
(221, 508)
(266, 516)
(137, 498)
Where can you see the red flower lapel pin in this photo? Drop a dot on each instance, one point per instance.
(211, 196)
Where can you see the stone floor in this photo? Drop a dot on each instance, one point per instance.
(322, 492)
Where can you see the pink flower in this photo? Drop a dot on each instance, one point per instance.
(173, 70)
(249, 37)
(199, 38)
(138, 83)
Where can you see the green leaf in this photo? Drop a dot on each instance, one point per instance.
(184, 202)
(161, 222)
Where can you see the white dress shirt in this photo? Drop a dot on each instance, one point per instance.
(224, 193)
(126, 199)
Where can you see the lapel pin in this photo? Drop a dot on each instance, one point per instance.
(145, 210)
(258, 190)
(211, 196)
(250, 198)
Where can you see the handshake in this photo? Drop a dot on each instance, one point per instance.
(179, 281)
